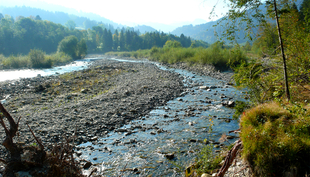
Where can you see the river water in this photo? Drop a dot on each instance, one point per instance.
(169, 138)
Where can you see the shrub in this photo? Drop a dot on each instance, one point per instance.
(276, 139)
(37, 59)
(69, 45)
(15, 62)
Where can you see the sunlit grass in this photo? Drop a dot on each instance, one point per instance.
(215, 55)
(25, 61)
(276, 138)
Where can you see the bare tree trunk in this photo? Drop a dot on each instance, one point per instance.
(287, 90)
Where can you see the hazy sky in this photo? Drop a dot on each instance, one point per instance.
(136, 11)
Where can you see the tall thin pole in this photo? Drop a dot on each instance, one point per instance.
(287, 90)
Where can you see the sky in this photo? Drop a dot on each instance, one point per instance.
(135, 11)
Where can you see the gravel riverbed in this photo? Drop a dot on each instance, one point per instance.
(92, 102)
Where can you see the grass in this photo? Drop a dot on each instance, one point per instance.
(35, 59)
(215, 55)
(276, 139)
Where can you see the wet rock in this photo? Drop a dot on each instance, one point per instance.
(95, 138)
(169, 156)
(228, 103)
(203, 87)
(87, 165)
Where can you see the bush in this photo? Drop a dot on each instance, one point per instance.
(69, 45)
(276, 139)
(37, 59)
(15, 62)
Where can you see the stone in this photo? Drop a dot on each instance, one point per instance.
(206, 175)
(87, 165)
(169, 156)
(203, 87)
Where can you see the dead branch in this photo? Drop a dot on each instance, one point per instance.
(38, 141)
(8, 141)
(229, 158)
(235, 131)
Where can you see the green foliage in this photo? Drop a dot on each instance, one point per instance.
(208, 160)
(81, 49)
(276, 140)
(215, 55)
(70, 46)
(37, 59)
(268, 41)
(240, 107)
(14, 62)
(70, 24)
(172, 44)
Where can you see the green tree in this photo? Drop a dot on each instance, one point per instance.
(37, 59)
(70, 24)
(172, 44)
(69, 45)
(38, 17)
(115, 40)
(245, 11)
(305, 13)
(82, 48)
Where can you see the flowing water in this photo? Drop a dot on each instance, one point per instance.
(28, 73)
(170, 137)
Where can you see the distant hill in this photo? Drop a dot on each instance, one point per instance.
(84, 20)
(143, 29)
(206, 31)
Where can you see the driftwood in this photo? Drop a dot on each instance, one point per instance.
(229, 158)
(58, 162)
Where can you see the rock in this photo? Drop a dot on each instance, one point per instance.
(203, 87)
(78, 153)
(95, 138)
(206, 175)
(169, 156)
(228, 103)
(87, 165)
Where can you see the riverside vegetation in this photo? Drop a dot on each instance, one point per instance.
(275, 132)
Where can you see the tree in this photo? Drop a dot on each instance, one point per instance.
(239, 12)
(38, 17)
(115, 40)
(305, 13)
(82, 48)
(172, 44)
(70, 24)
(69, 46)
(1, 16)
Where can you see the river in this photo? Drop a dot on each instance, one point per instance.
(178, 130)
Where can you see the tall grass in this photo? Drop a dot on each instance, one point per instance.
(215, 55)
(35, 59)
(276, 139)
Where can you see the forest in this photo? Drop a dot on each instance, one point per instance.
(21, 35)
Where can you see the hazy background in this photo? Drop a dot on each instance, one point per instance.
(163, 15)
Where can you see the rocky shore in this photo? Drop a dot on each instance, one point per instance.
(92, 102)
(89, 103)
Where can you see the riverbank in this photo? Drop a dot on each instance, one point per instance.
(92, 102)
